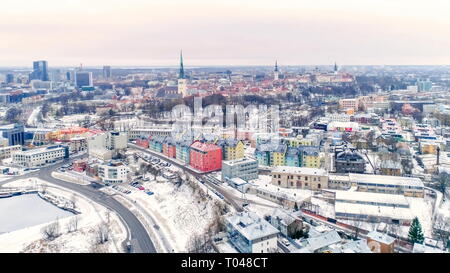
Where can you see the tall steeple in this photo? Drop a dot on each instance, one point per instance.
(335, 67)
(181, 74)
(276, 72)
(182, 82)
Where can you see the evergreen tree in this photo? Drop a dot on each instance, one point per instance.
(415, 234)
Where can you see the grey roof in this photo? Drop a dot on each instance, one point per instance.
(285, 217)
(359, 246)
(251, 226)
(329, 238)
(380, 237)
(390, 164)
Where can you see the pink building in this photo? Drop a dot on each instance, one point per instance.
(142, 142)
(169, 148)
(205, 157)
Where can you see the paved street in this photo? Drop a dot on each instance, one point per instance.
(140, 239)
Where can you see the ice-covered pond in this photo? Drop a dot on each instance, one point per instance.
(27, 210)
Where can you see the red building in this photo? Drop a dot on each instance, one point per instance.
(169, 148)
(79, 166)
(142, 142)
(205, 157)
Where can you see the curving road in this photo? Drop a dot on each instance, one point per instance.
(139, 238)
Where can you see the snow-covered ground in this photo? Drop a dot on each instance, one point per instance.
(179, 211)
(83, 240)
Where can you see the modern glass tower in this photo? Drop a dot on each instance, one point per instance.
(40, 71)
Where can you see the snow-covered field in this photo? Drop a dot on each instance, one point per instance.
(179, 211)
(83, 240)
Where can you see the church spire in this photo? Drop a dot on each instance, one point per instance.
(181, 75)
(335, 67)
(276, 66)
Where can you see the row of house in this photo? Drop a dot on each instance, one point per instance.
(201, 155)
(270, 154)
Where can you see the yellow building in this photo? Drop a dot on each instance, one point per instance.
(232, 149)
(299, 141)
(428, 148)
(278, 155)
(311, 159)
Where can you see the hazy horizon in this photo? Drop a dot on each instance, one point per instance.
(139, 33)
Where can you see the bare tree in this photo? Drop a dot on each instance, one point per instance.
(442, 229)
(51, 231)
(73, 201)
(44, 188)
(443, 182)
(72, 226)
(102, 233)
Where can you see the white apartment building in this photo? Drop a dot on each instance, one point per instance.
(41, 156)
(7, 151)
(104, 145)
(249, 233)
(113, 172)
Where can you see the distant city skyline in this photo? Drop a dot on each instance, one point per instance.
(224, 33)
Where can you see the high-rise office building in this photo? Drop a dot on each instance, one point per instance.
(9, 78)
(424, 86)
(40, 71)
(83, 78)
(106, 72)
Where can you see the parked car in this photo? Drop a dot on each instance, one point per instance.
(285, 242)
(141, 188)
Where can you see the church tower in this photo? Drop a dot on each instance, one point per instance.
(182, 84)
(276, 73)
(335, 68)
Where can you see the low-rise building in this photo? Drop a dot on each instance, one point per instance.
(300, 177)
(380, 242)
(205, 157)
(286, 222)
(349, 162)
(182, 151)
(244, 168)
(7, 151)
(113, 172)
(40, 156)
(391, 167)
(249, 233)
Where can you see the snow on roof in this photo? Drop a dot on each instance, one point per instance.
(197, 145)
(385, 179)
(359, 246)
(333, 177)
(251, 226)
(371, 210)
(239, 161)
(324, 240)
(371, 197)
(299, 170)
(380, 237)
(419, 248)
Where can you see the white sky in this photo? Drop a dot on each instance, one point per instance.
(227, 32)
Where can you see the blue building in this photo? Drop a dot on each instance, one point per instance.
(14, 133)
